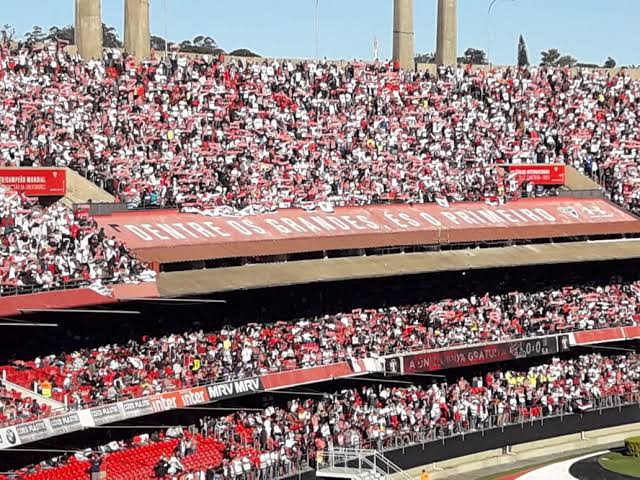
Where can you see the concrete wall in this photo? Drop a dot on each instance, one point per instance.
(81, 190)
(577, 182)
(633, 73)
(565, 445)
(553, 436)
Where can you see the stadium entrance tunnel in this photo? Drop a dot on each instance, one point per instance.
(266, 305)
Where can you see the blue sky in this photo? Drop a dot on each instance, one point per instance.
(590, 30)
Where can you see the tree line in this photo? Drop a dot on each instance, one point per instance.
(201, 44)
(206, 45)
(551, 58)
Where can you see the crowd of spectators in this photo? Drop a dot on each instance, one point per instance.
(153, 365)
(48, 247)
(376, 416)
(201, 132)
(16, 408)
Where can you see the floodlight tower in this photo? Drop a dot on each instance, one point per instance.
(137, 35)
(89, 29)
(403, 49)
(447, 36)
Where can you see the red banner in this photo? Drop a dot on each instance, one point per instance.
(322, 373)
(539, 174)
(35, 182)
(169, 236)
(631, 333)
(464, 357)
(76, 297)
(599, 336)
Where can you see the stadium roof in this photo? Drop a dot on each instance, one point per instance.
(336, 269)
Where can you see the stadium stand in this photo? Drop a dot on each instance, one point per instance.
(115, 372)
(216, 138)
(201, 133)
(286, 440)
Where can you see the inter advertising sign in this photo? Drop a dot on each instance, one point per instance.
(464, 357)
(539, 174)
(35, 182)
(179, 399)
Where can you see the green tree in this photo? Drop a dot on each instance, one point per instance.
(567, 61)
(202, 45)
(553, 58)
(67, 33)
(474, 56)
(64, 34)
(523, 56)
(157, 43)
(243, 52)
(425, 58)
(7, 32)
(550, 57)
(36, 35)
(110, 37)
(609, 63)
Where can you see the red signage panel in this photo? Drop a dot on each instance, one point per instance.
(35, 182)
(277, 380)
(76, 297)
(539, 174)
(464, 357)
(631, 333)
(170, 236)
(599, 336)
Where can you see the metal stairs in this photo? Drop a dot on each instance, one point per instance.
(359, 464)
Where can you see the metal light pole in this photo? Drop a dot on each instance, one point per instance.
(317, 28)
(166, 40)
(493, 2)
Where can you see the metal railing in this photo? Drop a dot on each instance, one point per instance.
(309, 459)
(12, 290)
(346, 460)
(294, 462)
(525, 415)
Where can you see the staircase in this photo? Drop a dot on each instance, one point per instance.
(359, 464)
(14, 387)
(81, 190)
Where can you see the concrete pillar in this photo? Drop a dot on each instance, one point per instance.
(137, 37)
(403, 51)
(447, 38)
(89, 29)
